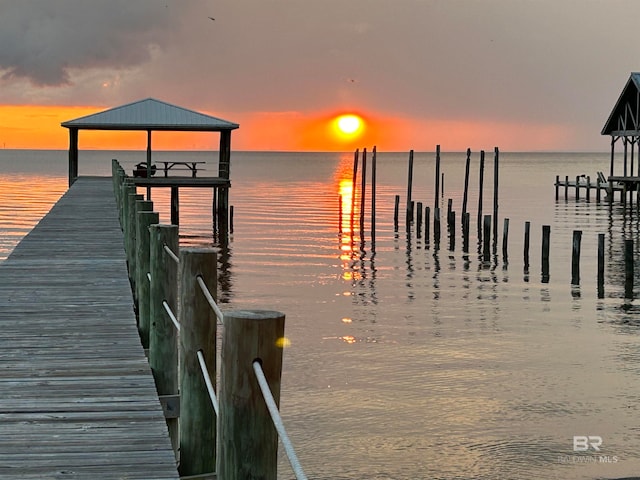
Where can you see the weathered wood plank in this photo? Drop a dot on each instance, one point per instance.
(77, 396)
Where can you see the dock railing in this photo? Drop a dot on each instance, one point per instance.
(174, 293)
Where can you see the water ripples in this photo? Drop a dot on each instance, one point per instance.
(408, 361)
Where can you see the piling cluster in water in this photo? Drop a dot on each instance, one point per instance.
(428, 224)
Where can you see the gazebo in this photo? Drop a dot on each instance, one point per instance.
(154, 115)
(151, 115)
(624, 124)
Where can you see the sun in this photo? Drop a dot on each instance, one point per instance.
(348, 125)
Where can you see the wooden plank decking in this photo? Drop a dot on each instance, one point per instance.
(77, 398)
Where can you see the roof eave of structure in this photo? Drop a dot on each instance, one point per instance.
(607, 129)
(171, 128)
(150, 114)
(623, 133)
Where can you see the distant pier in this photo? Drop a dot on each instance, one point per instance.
(582, 186)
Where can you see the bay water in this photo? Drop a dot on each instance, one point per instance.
(406, 360)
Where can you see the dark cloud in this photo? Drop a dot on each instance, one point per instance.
(43, 40)
(546, 62)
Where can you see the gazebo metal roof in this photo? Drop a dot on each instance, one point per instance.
(150, 114)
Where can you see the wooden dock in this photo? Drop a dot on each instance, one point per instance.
(585, 183)
(78, 398)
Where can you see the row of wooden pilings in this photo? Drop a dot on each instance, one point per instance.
(487, 224)
(628, 264)
(583, 182)
(241, 441)
(414, 210)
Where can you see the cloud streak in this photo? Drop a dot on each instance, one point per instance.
(45, 40)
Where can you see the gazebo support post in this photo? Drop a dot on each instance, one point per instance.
(148, 162)
(626, 141)
(175, 206)
(73, 155)
(613, 151)
(224, 164)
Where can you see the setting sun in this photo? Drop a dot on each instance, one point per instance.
(349, 124)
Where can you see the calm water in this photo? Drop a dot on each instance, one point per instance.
(406, 361)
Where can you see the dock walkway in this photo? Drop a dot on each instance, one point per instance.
(77, 397)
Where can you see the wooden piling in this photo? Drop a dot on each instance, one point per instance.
(601, 265)
(215, 213)
(486, 251)
(546, 233)
(557, 185)
(363, 188)
(163, 337)
(466, 184)
(527, 228)
(339, 213)
(396, 209)
(437, 195)
(231, 211)
(175, 206)
(145, 220)
(588, 188)
(575, 257)
(354, 179)
(130, 240)
(480, 187)
(495, 196)
(373, 196)
(409, 213)
(566, 187)
(126, 189)
(427, 215)
(611, 190)
(598, 188)
(197, 333)
(505, 240)
(628, 269)
(419, 219)
(452, 232)
(248, 446)
(449, 210)
(436, 226)
(577, 187)
(466, 219)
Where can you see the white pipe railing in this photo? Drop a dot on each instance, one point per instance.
(173, 318)
(210, 300)
(277, 421)
(207, 381)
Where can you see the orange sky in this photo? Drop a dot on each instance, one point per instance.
(38, 127)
